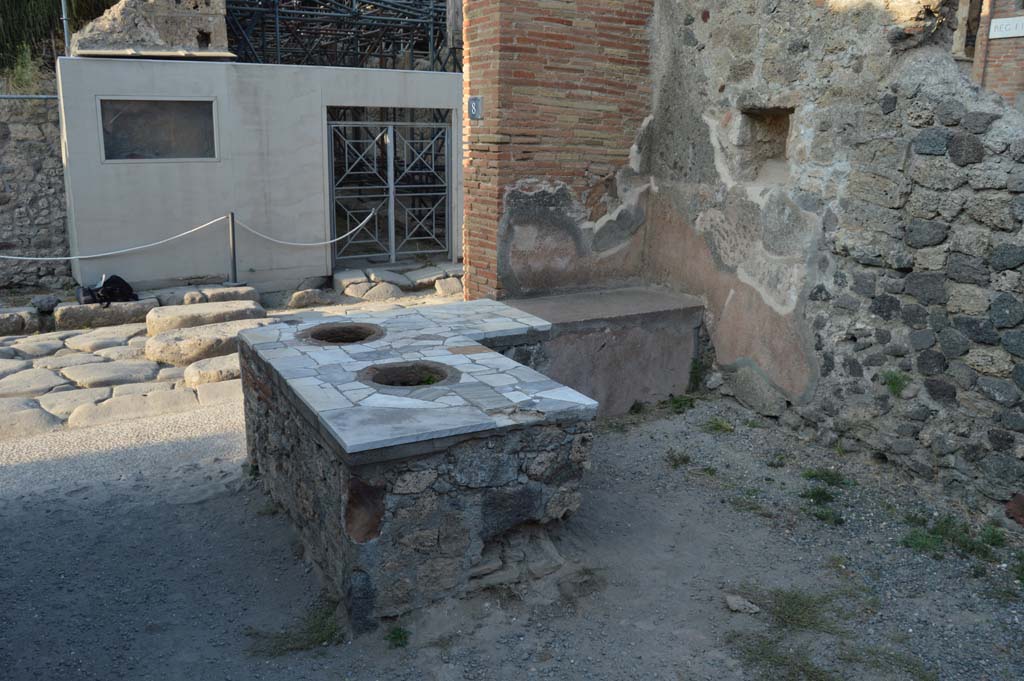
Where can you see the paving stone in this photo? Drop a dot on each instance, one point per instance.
(426, 276)
(358, 290)
(452, 269)
(217, 393)
(75, 316)
(33, 348)
(345, 278)
(212, 370)
(186, 316)
(122, 352)
(221, 294)
(383, 291)
(380, 274)
(7, 353)
(313, 297)
(182, 347)
(62, 403)
(29, 383)
(172, 374)
(13, 366)
(70, 359)
(26, 423)
(107, 337)
(141, 388)
(112, 373)
(18, 320)
(131, 407)
(452, 286)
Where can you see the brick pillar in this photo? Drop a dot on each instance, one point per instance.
(566, 86)
(999, 63)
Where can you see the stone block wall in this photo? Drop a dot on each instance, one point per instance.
(566, 88)
(33, 216)
(999, 64)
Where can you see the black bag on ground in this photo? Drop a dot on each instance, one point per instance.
(112, 289)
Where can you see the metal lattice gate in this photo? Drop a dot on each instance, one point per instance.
(402, 171)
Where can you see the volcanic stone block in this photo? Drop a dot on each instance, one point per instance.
(928, 287)
(931, 142)
(1006, 257)
(184, 316)
(965, 149)
(1006, 311)
(923, 233)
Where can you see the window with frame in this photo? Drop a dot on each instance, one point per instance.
(158, 129)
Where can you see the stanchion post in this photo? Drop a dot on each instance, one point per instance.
(231, 245)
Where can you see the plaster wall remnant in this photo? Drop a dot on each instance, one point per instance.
(826, 177)
(148, 27)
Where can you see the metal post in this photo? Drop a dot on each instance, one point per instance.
(67, 27)
(231, 245)
(391, 190)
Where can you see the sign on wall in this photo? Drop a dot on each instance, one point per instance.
(1011, 27)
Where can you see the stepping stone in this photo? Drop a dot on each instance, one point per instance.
(346, 278)
(452, 269)
(358, 290)
(6, 353)
(61, 404)
(34, 348)
(182, 347)
(71, 359)
(452, 286)
(26, 423)
(12, 366)
(29, 383)
(218, 393)
(426, 276)
(75, 316)
(132, 407)
(112, 373)
(383, 291)
(108, 337)
(220, 294)
(123, 352)
(212, 370)
(379, 275)
(186, 316)
(141, 388)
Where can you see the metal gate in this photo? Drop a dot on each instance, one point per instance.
(401, 170)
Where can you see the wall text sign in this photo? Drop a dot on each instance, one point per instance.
(1011, 27)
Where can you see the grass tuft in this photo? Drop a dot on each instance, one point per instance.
(397, 637)
(778, 659)
(828, 515)
(947, 532)
(818, 495)
(718, 425)
(896, 382)
(679, 404)
(676, 459)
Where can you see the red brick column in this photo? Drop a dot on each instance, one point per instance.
(999, 64)
(566, 86)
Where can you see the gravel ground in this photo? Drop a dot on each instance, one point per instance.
(140, 552)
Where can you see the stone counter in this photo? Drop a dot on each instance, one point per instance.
(396, 489)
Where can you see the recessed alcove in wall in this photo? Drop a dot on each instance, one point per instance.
(763, 144)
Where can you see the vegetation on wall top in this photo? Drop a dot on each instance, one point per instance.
(37, 24)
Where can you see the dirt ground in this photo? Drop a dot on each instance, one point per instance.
(158, 559)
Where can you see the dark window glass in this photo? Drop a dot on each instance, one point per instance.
(135, 129)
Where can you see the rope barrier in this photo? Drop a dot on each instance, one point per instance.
(122, 251)
(319, 243)
(244, 226)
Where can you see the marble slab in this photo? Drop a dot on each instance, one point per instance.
(485, 391)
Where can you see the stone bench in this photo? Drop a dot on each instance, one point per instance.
(400, 446)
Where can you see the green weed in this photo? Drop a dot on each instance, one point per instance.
(718, 425)
(896, 382)
(397, 637)
(320, 627)
(677, 459)
(827, 476)
(818, 495)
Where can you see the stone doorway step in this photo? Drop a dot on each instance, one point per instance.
(378, 282)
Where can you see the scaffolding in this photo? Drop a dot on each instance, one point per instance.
(388, 34)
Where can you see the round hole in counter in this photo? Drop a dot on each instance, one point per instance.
(343, 333)
(408, 374)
